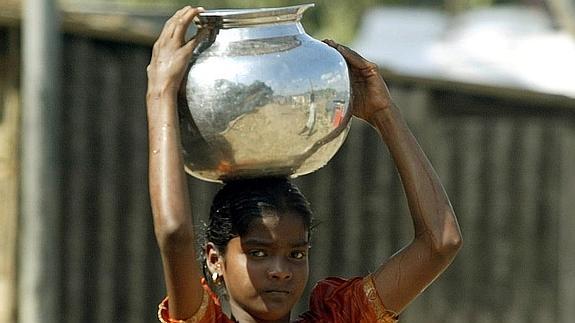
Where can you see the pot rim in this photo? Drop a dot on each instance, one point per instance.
(235, 18)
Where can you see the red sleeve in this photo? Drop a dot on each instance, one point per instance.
(210, 310)
(341, 300)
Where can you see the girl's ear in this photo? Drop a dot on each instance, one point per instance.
(214, 259)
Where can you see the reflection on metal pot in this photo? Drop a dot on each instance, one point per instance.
(262, 97)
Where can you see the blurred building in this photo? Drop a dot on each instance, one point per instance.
(507, 46)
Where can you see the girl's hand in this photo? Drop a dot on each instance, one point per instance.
(369, 91)
(171, 53)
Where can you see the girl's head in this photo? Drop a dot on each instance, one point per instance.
(257, 241)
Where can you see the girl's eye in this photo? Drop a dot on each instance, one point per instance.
(298, 254)
(257, 253)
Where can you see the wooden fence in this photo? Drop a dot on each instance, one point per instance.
(505, 157)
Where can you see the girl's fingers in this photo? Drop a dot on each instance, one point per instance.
(193, 43)
(183, 23)
(352, 57)
(169, 26)
(173, 34)
(330, 42)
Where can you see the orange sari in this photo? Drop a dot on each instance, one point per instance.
(333, 300)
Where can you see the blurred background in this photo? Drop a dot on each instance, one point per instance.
(487, 86)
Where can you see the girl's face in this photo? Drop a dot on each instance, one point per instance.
(266, 270)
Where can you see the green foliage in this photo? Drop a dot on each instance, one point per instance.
(335, 19)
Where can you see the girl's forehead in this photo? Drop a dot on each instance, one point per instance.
(272, 226)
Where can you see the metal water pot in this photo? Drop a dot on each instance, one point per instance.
(262, 97)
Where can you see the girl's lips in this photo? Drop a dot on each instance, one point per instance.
(277, 295)
(277, 292)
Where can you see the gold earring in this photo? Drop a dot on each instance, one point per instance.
(217, 279)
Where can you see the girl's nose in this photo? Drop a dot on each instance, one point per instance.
(280, 270)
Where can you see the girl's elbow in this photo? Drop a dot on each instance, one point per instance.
(445, 240)
(451, 243)
(451, 239)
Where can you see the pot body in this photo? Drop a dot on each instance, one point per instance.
(262, 98)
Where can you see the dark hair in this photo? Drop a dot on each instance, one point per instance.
(239, 202)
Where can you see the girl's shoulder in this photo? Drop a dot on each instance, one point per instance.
(336, 299)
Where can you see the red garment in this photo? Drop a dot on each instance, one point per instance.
(338, 117)
(333, 300)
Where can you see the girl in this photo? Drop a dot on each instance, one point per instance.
(258, 235)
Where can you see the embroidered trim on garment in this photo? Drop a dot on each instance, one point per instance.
(197, 316)
(383, 315)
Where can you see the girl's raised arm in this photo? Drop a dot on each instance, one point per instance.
(167, 180)
(437, 236)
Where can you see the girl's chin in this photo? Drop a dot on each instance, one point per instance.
(272, 307)
(274, 313)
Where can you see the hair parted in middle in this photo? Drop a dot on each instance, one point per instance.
(239, 202)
